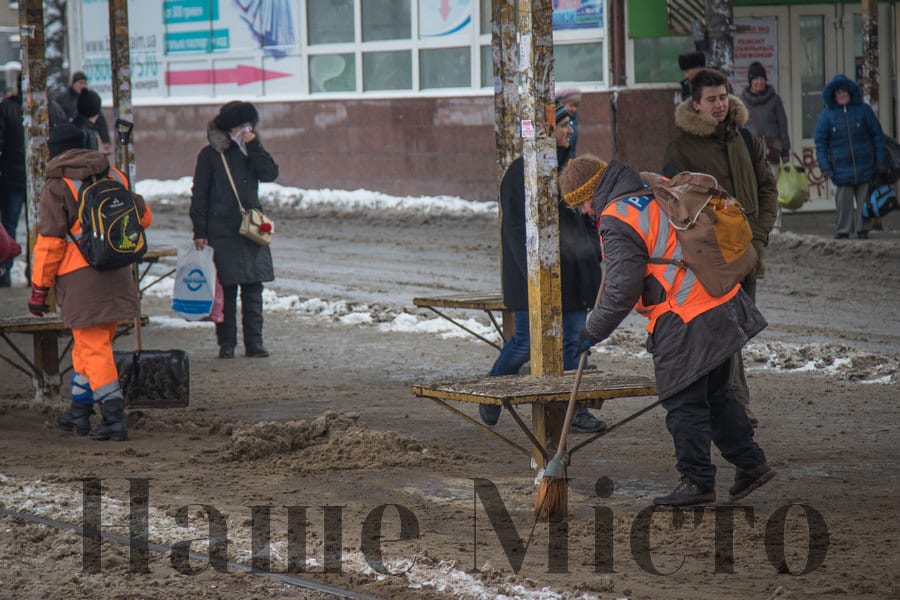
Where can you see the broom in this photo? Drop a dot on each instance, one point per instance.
(553, 491)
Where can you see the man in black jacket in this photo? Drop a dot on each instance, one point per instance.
(579, 251)
(12, 168)
(64, 109)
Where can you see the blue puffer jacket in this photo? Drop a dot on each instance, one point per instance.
(849, 140)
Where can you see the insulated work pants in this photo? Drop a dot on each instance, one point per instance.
(704, 412)
(251, 316)
(92, 356)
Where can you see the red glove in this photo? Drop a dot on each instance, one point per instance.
(37, 304)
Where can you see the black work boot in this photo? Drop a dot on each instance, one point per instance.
(748, 479)
(687, 493)
(78, 419)
(113, 425)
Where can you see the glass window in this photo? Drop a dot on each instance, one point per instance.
(387, 71)
(330, 21)
(812, 71)
(578, 62)
(332, 73)
(386, 20)
(655, 58)
(485, 16)
(487, 66)
(445, 67)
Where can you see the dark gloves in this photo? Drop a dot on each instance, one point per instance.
(760, 270)
(882, 170)
(826, 174)
(37, 304)
(585, 342)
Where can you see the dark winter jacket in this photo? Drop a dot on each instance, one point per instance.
(86, 296)
(682, 352)
(12, 144)
(849, 140)
(68, 102)
(214, 209)
(90, 132)
(703, 145)
(579, 247)
(767, 117)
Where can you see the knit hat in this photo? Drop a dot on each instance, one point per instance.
(561, 113)
(78, 76)
(580, 178)
(568, 95)
(88, 103)
(234, 114)
(65, 136)
(756, 70)
(691, 60)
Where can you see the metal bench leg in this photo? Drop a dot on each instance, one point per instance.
(482, 426)
(46, 379)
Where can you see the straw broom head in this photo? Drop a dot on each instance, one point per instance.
(552, 498)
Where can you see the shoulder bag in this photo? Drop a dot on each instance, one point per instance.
(255, 226)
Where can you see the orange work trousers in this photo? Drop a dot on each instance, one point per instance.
(92, 356)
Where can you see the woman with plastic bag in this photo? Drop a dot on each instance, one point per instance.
(234, 153)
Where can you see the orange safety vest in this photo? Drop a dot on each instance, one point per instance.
(684, 294)
(73, 259)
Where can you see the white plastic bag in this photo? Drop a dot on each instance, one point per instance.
(195, 283)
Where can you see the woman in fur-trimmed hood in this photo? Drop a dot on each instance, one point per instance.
(216, 218)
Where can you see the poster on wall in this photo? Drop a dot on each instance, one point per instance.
(196, 47)
(755, 40)
(441, 18)
(577, 14)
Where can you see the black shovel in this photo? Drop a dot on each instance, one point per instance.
(150, 378)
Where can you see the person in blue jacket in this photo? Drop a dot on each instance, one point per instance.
(850, 151)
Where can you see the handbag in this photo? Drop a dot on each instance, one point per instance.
(255, 225)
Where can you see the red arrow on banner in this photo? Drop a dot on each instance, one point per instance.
(241, 75)
(445, 9)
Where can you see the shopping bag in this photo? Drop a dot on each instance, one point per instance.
(793, 187)
(195, 277)
(217, 314)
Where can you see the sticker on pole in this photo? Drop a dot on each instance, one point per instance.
(527, 128)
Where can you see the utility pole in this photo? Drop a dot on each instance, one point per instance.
(120, 63)
(870, 53)
(720, 36)
(536, 108)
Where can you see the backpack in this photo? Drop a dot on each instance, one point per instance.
(111, 232)
(892, 158)
(882, 199)
(710, 226)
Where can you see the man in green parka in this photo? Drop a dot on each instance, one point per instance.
(710, 140)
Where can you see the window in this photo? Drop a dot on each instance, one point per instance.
(329, 21)
(445, 68)
(654, 58)
(332, 73)
(387, 71)
(385, 20)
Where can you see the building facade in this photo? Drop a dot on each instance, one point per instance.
(397, 95)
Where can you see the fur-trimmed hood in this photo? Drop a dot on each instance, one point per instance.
(841, 81)
(218, 139)
(696, 123)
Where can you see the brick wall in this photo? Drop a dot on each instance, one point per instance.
(427, 146)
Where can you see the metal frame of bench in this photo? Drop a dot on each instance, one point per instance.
(489, 303)
(511, 390)
(47, 359)
(150, 258)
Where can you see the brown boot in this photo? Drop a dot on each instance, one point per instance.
(748, 479)
(687, 493)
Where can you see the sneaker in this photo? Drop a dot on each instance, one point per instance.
(585, 422)
(226, 352)
(748, 479)
(687, 493)
(257, 352)
(489, 413)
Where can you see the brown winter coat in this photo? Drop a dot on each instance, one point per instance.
(86, 296)
(718, 149)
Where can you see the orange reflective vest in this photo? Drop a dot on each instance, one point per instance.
(684, 295)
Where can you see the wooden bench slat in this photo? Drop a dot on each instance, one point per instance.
(528, 389)
(31, 324)
(477, 301)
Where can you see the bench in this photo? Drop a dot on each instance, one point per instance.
(45, 367)
(489, 303)
(510, 391)
(150, 258)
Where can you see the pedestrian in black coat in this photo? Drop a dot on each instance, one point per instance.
(216, 218)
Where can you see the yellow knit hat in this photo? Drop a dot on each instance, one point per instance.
(579, 179)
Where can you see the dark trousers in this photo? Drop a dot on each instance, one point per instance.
(738, 376)
(251, 316)
(705, 411)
